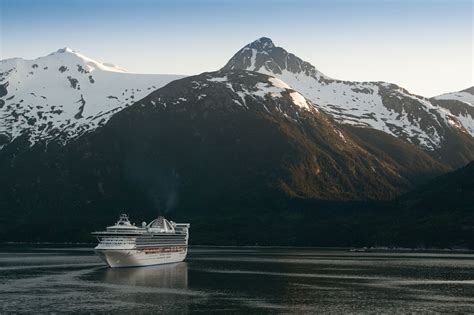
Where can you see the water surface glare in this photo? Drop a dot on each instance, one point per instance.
(263, 280)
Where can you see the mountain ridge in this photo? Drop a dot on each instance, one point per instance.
(82, 99)
(64, 95)
(460, 104)
(378, 105)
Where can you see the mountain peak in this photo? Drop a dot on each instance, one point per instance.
(70, 55)
(64, 94)
(261, 44)
(367, 104)
(64, 50)
(263, 56)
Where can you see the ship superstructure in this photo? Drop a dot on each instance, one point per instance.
(126, 245)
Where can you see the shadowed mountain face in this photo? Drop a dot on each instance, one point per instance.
(440, 212)
(203, 147)
(444, 134)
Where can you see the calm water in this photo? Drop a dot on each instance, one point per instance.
(237, 280)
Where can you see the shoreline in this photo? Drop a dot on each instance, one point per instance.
(372, 249)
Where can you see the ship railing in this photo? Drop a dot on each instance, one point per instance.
(182, 225)
(116, 240)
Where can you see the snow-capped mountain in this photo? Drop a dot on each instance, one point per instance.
(211, 144)
(219, 139)
(460, 104)
(379, 105)
(65, 94)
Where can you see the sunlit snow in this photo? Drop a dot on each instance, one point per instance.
(67, 93)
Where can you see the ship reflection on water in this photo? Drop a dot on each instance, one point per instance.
(170, 276)
(159, 288)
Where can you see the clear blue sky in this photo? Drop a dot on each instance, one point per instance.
(423, 45)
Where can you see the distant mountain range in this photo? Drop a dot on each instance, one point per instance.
(267, 137)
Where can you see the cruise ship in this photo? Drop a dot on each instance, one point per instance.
(127, 245)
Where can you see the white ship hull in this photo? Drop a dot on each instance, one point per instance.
(159, 242)
(143, 257)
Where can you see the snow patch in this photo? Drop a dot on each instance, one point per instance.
(253, 58)
(279, 83)
(221, 79)
(299, 100)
